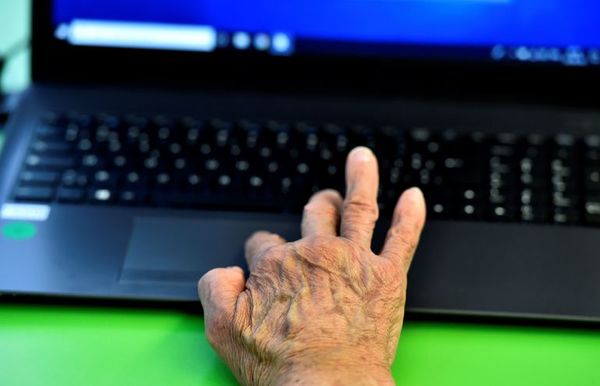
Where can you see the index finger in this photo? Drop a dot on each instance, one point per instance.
(258, 244)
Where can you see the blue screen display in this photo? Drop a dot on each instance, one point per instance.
(554, 23)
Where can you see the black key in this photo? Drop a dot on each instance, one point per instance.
(85, 145)
(470, 194)
(104, 179)
(72, 134)
(39, 178)
(43, 162)
(162, 180)
(134, 180)
(592, 179)
(500, 212)
(564, 140)
(302, 168)
(119, 161)
(48, 131)
(102, 196)
(534, 213)
(224, 183)
(465, 169)
(83, 120)
(533, 172)
(502, 181)
(389, 198)
(469, 202)
(136, 121)
(506, 151)
(71, 178)
(34, 194)
(566, 154)
(440, 209)
(421, 135)
(592, 157)
(592, 212)
(389, 141)
(565, 200)
(51, 118)
(48, 146)
(68, 195)
(528, 180)
(132, 197)
(502, 197)
(212, 165)
(255, 185)
(592, 141)
(101, 119)
(507, 138)
(534, 197)
(193, 181)
(90, 161)
(470, 212)
(566, 215)
(248, 133)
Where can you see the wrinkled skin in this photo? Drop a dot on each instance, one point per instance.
(324, 310)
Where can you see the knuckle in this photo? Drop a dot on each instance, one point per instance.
(324, 249)
(273, 239)
(328, 193)
(319, 210)
(256, 236)
(207, 285)
(319, 241)
(205, 282)
(392, 272)
(258, 240)
(272, 255)
(332, 195)
(363, 207)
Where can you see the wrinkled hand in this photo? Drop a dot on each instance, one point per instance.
(324, 310)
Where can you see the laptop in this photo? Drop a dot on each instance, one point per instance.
(157, 136)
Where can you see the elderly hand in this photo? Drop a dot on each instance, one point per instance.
(324, 310)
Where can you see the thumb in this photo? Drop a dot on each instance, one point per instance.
(219, 290)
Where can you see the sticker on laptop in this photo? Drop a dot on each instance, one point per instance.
(19, 231)
(25, 212)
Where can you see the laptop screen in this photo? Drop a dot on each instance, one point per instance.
(562, 32)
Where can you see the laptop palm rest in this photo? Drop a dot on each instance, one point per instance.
(181, 250)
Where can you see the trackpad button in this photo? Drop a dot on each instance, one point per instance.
(181, 250)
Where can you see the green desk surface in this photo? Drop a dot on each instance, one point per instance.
(59, 345)
(103, 346)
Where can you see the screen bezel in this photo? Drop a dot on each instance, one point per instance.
(54, 61)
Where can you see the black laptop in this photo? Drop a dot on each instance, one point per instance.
(157, 136)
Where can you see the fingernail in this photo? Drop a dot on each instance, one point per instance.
(361, 154)
(413, 195)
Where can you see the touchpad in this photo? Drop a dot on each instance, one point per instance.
(180, 250)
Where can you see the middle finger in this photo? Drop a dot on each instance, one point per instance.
(360, 206)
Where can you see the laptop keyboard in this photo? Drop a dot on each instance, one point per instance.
(155, 161)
